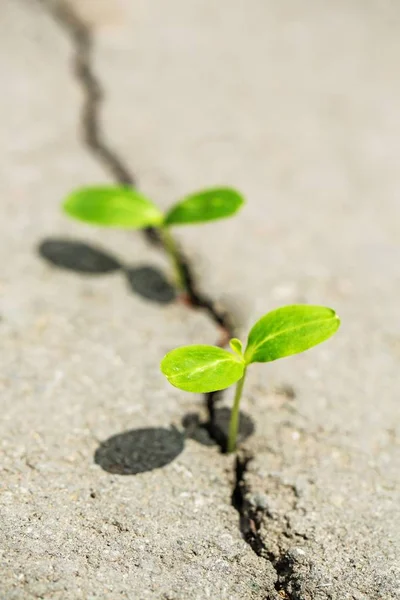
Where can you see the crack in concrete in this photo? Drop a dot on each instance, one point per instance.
(82, 40)
(249, 521)
(251, 518)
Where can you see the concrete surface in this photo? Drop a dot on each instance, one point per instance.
(297, 105)
(80, 359)
(294, 105)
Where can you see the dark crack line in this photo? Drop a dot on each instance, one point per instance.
(250, 520)
(93, 95)
(82, 40)
(92, 135)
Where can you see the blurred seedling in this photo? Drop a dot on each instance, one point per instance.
(126, 208)
(283, 332)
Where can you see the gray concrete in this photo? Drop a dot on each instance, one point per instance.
(297, 105)
(80, 362)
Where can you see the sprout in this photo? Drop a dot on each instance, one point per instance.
(282, 332)
(126, 208)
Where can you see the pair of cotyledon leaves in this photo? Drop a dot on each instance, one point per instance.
(283, 332)
(124, 207)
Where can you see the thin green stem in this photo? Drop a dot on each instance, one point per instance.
(172, 249)
(234, 422)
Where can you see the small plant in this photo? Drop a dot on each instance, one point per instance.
(282, 332)
(126, 208)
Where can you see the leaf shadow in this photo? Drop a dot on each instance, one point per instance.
(73, 255)
(139, 450)
(150, 283)
(77, 256)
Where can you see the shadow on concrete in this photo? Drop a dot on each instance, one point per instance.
(145, 281)
(150, 283)
(77, 256)
(215, 432)
(139, 450)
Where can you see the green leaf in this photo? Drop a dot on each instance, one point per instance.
(290, 330)
(236, 346)
(209, 205)
(110, 206)
(201, 368)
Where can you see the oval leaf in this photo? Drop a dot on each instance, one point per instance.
(209, 205)
(201, 368)
(290, 330)
(111, 206)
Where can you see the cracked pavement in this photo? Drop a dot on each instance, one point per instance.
(255, 95)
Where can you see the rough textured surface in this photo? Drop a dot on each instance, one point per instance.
(80, 358)
(294, 104)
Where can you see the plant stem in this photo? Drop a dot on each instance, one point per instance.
(172, 250)
(234, 422)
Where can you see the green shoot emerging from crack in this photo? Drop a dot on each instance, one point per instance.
(126, 208)
(282, 332)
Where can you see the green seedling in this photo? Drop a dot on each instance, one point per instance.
(126, 208)
(282, 332)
